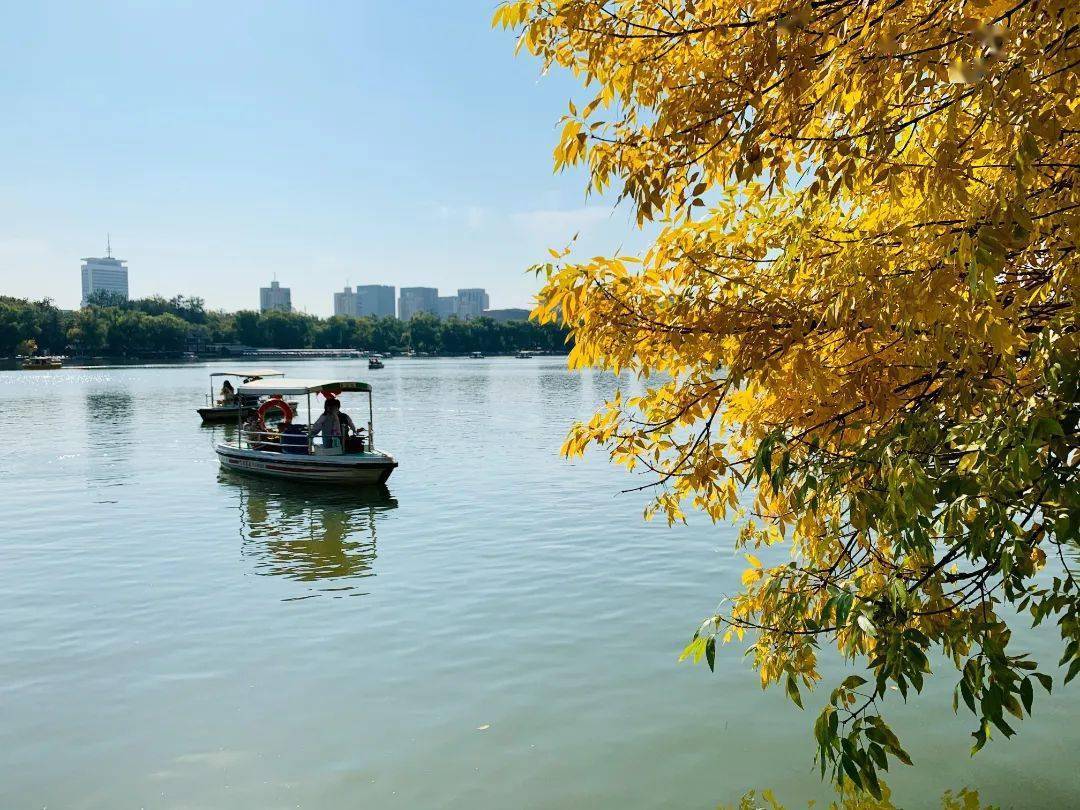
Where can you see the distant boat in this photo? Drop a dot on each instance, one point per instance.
(42, 362)
(375, 361)
(523, 355)
(476, 355)
(229, 408)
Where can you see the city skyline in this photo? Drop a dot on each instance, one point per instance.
(252, 155)
(113, 275)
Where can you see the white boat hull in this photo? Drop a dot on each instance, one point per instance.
(353, 468)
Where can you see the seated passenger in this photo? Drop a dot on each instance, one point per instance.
(333, 424)
(228, 394)
(252, 430)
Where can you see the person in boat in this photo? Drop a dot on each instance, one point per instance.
(333, 424)
(253, 432)
(353, 443)
(228, 393)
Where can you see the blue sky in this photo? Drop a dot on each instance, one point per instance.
(391, 142)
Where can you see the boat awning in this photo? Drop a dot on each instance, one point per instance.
(253, 373)
(262, 388)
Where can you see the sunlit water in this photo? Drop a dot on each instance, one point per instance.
(498, 628)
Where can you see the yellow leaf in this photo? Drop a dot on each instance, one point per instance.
(751, 575)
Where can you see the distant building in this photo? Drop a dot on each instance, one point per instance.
(446, 306)
(414, 300)
(503, 315)
(472, 302)
(371, 300)
(377, 300)
(107, 275)
(345, 303)
(275, 297)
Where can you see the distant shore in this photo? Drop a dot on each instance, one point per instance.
(102, 361)
(179, 328)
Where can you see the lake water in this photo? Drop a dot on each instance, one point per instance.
(499, 628)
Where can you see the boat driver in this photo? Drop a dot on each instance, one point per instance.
(333, 424)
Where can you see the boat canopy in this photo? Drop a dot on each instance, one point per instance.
(264, 388)
(253, 374)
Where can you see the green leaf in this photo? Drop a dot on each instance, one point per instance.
(710, 653)
(1026, 694)
(843, 608)
(872, 781)
(1044, 679)
(980, 737)
(900, 754)
(849, 768)
(1073, 669)
(852, 681)
(1006, 729)
(793, 691)
(966, 693)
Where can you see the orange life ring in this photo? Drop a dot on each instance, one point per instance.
(272, 404)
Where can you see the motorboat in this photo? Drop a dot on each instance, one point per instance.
(289, 450)
(476, 355)
(375, 361)
(42, 362)
(220, 410)
(523, 355)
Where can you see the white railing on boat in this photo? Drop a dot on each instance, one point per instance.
(272, 441)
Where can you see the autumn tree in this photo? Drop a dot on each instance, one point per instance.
(859, 307)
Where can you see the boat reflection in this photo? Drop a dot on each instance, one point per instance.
(327, 538)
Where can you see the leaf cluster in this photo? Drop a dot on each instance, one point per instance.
(860, 308)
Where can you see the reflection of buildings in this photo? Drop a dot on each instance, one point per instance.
(309, 536)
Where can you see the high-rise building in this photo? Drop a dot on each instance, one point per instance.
(446, 306)
(107, 275)
(472, 302)
(275, 297)
(376, 300)
(345, 303)
(370, 300)
(414, 300)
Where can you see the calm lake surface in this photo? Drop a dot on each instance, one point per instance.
(499, 628)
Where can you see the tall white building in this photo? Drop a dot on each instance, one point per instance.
(414, 300)
(275, 297)
(104, 275)
(472, 302)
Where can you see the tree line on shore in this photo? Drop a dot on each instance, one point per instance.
(111, 326)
